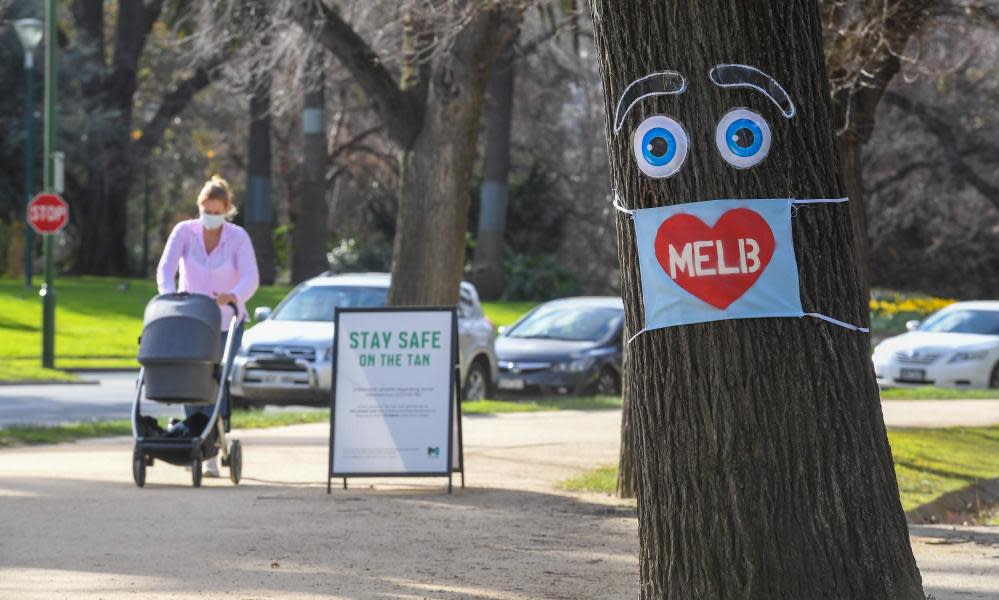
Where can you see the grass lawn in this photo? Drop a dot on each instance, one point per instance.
(99, 319)
(241, 419)
(30, 370)
(485, 407)
(935, 393)
(504, 313)
(928, 463)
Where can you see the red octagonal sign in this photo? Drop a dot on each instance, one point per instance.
(48, 213)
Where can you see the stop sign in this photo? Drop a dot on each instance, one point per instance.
(48, 213)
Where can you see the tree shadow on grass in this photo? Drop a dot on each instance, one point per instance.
(965, 505)
(12, 325)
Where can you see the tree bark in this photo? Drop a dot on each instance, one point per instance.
(429, 251)
(312, 212)
(259, 210)
(852, 170)
(627, 475)
(487, 273)
(761, 452)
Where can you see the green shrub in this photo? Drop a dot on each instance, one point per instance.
(357, 256)
(537, 278)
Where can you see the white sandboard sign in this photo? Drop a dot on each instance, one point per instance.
(394, 405)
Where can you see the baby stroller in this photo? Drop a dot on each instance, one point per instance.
(178, 352)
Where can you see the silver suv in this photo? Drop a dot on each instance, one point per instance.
(288, 357)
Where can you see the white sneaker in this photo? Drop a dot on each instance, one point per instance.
(211, 467)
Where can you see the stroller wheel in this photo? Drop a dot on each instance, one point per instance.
(138, 468)
(196, 472)
(235, 461)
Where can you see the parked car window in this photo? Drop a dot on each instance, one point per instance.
(565, 323)
(468, 308)
(318, 303)
(984, 322)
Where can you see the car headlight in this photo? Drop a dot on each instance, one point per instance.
(969, 356)
(574, 366)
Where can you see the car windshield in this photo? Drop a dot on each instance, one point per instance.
(985, 322)
(569, 323)
(319, 303)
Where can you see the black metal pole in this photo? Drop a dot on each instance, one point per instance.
(29, 233)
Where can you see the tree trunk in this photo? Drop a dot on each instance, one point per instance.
(108, 88)
(312, 212)
(429, 251)
(259, 212)
(851, 158)
(627, 476)
(103, 207)
(762, 457)
(487, 273)
(875, 61)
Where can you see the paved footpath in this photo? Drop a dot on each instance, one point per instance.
(106, 396)
(111, 395)
(72, 524)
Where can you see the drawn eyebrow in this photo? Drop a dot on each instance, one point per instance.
(661, 83)
(745, 76)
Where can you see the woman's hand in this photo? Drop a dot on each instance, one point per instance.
(224, 299)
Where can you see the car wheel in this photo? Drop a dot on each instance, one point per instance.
(476, 383)
(994, 377)
(607, 383)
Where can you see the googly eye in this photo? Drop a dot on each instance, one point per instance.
(660, 145)
(743, 138)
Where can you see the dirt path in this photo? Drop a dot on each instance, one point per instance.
(72, 524)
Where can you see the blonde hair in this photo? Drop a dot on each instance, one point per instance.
(217, 188)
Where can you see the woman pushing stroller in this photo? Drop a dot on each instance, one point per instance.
(214, 257)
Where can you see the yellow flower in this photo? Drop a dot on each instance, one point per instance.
(136, 134)
(210, 154)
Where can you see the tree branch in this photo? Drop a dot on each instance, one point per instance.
(174, 102)
(400, 111)
(948, 142)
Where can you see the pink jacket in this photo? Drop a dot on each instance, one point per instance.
(230, 268)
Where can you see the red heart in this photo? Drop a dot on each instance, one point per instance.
(717, 264)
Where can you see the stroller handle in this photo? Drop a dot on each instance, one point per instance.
(235, 312)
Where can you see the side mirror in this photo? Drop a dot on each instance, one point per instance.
(262, 313)
(912, 325)
(502, 329)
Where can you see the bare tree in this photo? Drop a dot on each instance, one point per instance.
(431, 110)
(105, 71)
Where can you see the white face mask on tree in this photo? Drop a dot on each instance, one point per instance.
(212, 221)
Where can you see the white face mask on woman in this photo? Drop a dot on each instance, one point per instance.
(212, 221)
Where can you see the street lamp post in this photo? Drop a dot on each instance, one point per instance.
(51, 95)
(29, 31)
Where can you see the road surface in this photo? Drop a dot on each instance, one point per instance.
(108, 397)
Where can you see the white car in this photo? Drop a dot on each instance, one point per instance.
(288, 357)
(957, 346)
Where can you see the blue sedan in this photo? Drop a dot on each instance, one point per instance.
(568, 345)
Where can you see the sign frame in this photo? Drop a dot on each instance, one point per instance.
(455, 433)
